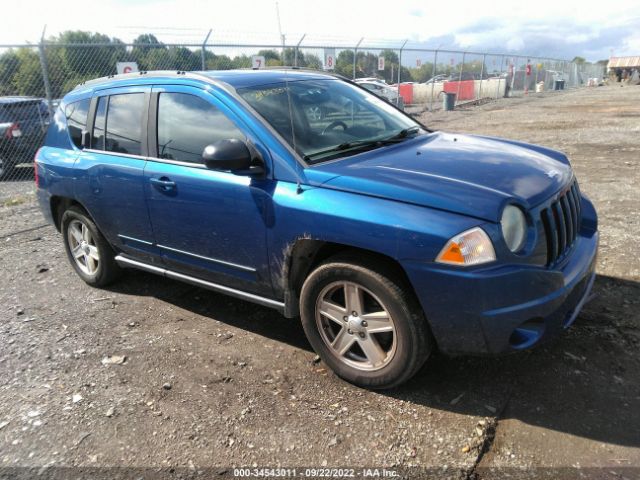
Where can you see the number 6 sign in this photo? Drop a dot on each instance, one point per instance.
(257, 61)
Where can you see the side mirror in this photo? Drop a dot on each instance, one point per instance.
(231, 154)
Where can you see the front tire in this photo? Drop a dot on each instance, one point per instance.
(364, 323)
(89, 253)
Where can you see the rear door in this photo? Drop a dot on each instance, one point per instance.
(110, 172)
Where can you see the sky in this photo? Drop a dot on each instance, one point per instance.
(551, 28)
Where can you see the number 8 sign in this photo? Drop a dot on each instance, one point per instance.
(257, 61)
(329, 62)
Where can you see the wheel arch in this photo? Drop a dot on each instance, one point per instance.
(305, 254)
(59, 205)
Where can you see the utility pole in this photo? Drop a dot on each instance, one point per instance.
(280, 27)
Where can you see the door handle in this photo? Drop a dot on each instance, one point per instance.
(163, 183)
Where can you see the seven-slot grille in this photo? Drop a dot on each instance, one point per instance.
(561, 222)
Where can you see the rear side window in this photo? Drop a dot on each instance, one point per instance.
(124, 123)
(76, 114)
(187, 124)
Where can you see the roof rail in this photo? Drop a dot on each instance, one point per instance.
(125, 76)
(195, 74)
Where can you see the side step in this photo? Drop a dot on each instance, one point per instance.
(126, 262)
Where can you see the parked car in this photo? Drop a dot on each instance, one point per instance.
(381, 89)
(389, 240)
(457, 77)
(23, 124)
(436, 79)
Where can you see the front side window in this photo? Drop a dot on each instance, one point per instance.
(327, 119)
(187, 124)
(124, 123)
(76, 115)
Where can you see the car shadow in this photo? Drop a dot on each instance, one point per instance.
(584, 383)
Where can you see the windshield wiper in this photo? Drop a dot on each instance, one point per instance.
(376, 142)
(404, 133)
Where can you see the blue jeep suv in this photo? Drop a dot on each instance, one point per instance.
(387, 239)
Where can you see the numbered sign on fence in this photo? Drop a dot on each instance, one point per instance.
(380, 63)
(257, 61)
(126, 67)
(329, 62)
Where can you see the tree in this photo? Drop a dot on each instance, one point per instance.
(422, 73)
(27, 79)
(143, 50)
(9, 64)
(270, 55)
(579, 60)
(81, 58)
(344, 63)
(313, 61)
(219, 62)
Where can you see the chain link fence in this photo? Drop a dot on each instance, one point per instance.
(33, 78)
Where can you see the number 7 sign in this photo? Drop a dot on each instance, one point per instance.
(257, 61)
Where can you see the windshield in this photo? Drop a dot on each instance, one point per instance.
(329, 118)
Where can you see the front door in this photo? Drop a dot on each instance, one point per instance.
(207, 224)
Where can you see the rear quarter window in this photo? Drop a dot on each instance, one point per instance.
(76, 114)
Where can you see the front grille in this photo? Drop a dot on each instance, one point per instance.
(561, 222)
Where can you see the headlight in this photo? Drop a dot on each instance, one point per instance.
(514, 227)
(472, 247)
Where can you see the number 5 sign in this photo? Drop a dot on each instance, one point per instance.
(257, 61)
(380, 63)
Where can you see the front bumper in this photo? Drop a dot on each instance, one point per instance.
(504, 308)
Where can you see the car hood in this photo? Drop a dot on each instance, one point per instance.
(466, 174)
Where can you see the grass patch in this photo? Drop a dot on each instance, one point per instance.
(12, 202)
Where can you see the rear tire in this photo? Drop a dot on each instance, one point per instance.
(89, 253)
(364, 323)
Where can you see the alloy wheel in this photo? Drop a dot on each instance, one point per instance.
(356, 326)
(83, 247)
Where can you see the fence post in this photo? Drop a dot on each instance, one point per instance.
(400, 72)
(355, 56)
(500, 77)
(295, 56)
(484, 58)
(45, 72)
(464, 54)
(433, 76)
(204, 46)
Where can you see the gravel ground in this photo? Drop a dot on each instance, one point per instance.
(180, 382)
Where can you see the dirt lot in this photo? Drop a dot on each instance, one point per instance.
(209, 382)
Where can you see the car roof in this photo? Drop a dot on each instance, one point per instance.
(235, 78)
(18, 99)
